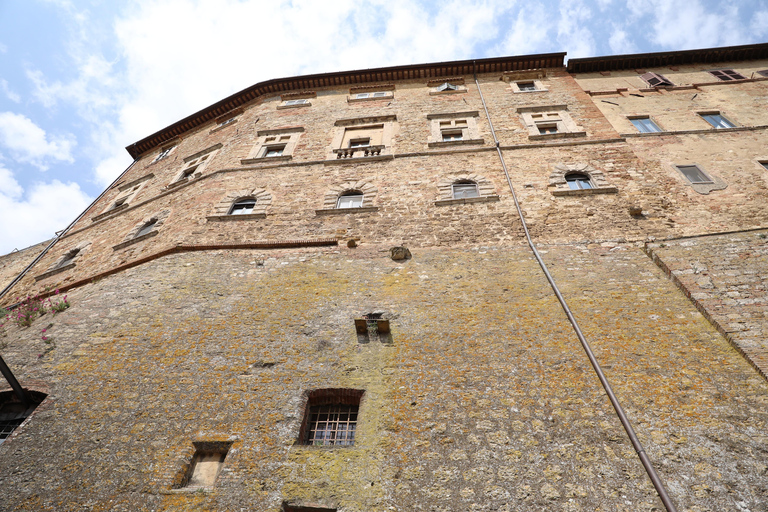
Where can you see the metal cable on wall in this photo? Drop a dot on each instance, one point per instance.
(657, 483)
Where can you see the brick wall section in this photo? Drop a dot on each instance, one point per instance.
(725, 278)
(483, 400)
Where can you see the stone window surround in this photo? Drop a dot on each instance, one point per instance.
(385, 125)
(702, 188)
(258, 151)
(457, 81)
(126, 193)
(131, 238)
(179, 178)
(260, 195)
(529, 75)
(566, 127)
(470, 134)
(485, 189)
(301, 95)
(389, 88)
(331, 198)
(56, 268)
(559, 186)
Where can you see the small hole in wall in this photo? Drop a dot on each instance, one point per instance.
(372, 326)
(205, 465)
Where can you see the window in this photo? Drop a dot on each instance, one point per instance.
(331, 417)
(205, 466)
(164, 153)
(454, 130)
(351, 199)
(360, 143)
(365, 95)
(645, 125)
(126, 193)
(549, 121)
(578, 181)
(546, 129)
(146, 228)
(717, 121)
(294, 508)
(764, 164)
(727, 74)
(274, 144)
(447, 87)
(243, 207)
(296, 102)
(464, 189)
(273, 151)
(694, 174)
(763, 72)
(526, 86)
(451, 128)
(656, 80)
(13, 412)
(226, 122)
(195, 164)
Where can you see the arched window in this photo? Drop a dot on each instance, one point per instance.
(350, 199)
(243, 206)
(146, 228)
(578, 181)
(465, 189)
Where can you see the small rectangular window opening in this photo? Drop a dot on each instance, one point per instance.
(292, 508)
(526, 86)
(727, 74)
(350, 201)
(694, 174)
(296, 102)
(764, 163)
(360, 143)
(206, 465)
(373, 326)
(451, 136)
(645, 125)
(273, 151)
(545, 129)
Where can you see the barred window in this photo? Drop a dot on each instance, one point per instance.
(331, 417)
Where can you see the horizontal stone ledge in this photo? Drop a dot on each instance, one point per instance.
(449, 143)
(586, 192)
(358, 159)
(467, 200)
(54, 271)
(343, 211)
(227, 218)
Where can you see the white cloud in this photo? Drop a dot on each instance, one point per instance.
(3, 48)
(8, 92)
(759, 25)
(573, 32)
(620, 43)
(28, 143)
(46, 208)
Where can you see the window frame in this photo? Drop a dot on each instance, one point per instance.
(194, 165)
(727, 123)
(357, 194)
(644, 129)
(466, 185)
(535, 118)
(243, 201)
(285, 138)
(579, 178)
(164, 153)
(707, 181)
(464, 123)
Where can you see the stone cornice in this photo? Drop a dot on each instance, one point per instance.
(281, 86)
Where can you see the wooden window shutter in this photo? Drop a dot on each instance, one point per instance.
(655, 79)
(727, 74)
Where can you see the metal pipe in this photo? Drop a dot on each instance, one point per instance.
(62, 233)
(657, 483)
(17, 389)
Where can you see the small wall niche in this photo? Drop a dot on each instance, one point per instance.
(373, 326)
(205, 466)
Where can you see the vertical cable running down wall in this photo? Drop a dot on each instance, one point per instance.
(657, 483)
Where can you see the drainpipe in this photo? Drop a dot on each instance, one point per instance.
(657, 483)
(60, 234)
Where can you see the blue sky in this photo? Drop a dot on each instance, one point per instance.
(82, 79)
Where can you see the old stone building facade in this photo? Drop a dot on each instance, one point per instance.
(317, 295)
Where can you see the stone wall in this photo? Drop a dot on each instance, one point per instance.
(12, 264)
(484, 400)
